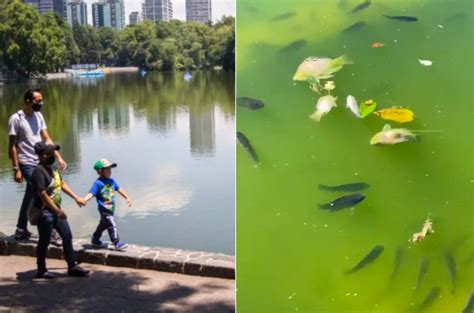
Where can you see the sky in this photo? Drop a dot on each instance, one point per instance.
(219, 8)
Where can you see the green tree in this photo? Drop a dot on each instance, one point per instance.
(20, 49)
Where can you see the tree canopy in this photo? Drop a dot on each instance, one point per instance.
(32, 44)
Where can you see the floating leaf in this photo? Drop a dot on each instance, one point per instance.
(367, 107)
(399, 115)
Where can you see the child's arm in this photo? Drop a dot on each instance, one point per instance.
(124, 194)
(65, 187)
(88, 197)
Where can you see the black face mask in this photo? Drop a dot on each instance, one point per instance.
(37, 106)
(50, 160)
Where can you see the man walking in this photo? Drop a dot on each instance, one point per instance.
(26, 127)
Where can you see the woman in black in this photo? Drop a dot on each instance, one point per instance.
(48, 184)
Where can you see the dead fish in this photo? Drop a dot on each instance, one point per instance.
(243, 140)
(452, 270)
(295, 45)
(361, 6)
(354, 27)
(402, 18)
(283, 17)
(422, 273)
(250, 103)
(469, 308)
(430, 298)
(343, 202)
(346, 187)
(369, 258)
(397, 262)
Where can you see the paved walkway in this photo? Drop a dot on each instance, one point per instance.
(109, 289)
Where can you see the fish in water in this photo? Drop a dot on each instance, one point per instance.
(392, 136)
(369, 258)
(245, 142)
(319, 68)
(455, 17)
(323, 107)
(343, 202)
(295, 45)
(448, 258)
(283, 17)
(354, 27)
(425, 263)
(469, 308)
(361, 6)
(377, 45)
(430, 298)
(346, 187)
(341, 3)
(250, 103)
(351, 104)
(397, 262)
(402, 18)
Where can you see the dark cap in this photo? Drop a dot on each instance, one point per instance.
(42, 147)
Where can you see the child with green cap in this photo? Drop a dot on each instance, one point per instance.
(103, 189)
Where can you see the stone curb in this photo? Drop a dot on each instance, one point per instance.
(140, 257)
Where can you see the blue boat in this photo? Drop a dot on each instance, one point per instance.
(92, 73)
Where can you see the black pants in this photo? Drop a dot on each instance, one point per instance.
(107, 222)
(47, 222)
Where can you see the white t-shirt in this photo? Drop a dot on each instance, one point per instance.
(27, 130)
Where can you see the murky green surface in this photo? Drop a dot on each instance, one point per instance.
(174, 144)
(291, 256)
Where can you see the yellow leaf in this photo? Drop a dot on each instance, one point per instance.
(399, 115)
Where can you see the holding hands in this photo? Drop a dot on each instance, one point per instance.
(81, 202)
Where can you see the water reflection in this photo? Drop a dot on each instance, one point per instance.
(201, 127)
(170, 138)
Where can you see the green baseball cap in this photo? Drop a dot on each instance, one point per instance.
(103, 163)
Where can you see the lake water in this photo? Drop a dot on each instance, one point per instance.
(291, 255)
(173, 142)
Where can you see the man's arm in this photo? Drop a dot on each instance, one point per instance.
(46, 138)
(124, 194)
(12, 153)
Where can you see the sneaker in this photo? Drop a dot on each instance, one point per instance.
(56, 238)
(22, 234)
(77, 271)
(97, 243)
(45, 274)
(120, 246)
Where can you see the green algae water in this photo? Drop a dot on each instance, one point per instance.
(291, 255)
(173, 141)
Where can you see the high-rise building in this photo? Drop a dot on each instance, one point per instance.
(59, 6)
(157, 10)
(198, 10)
(76, 12)
(44, 6)
(134, 18)
(108, 13)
